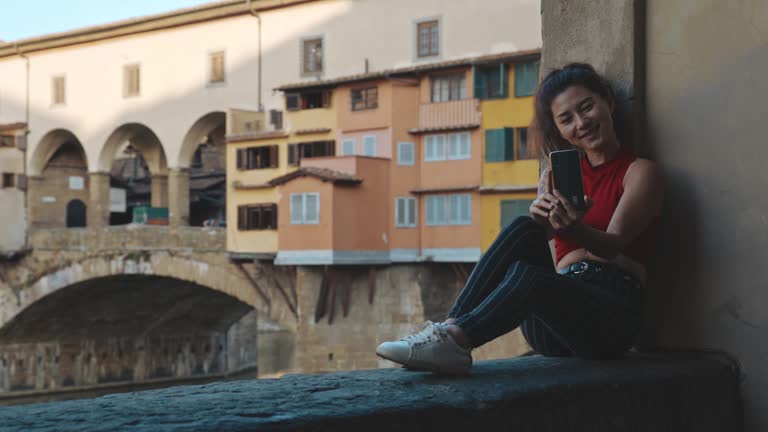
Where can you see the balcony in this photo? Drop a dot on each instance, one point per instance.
(439, 116)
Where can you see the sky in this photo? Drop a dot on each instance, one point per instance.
(27, 18)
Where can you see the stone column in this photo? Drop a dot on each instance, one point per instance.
(34, 197)
(98, 203)
(178, 197)
(159, 190)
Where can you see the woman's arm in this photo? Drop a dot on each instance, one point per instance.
(639, 205)
(541, 206)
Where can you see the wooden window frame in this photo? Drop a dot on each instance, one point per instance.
(260, 157)
(432, 203)
(7, 180)
(7, 141)
(400, 159)
(364, 98)
(59, 90)
(520, 89)
(430, 47)
(217, 67)
(257, 217)
(298, 151)
(131, 76)
(317, 67)
(482, 88)
(406, 204)
(457, 87)
(304, 219)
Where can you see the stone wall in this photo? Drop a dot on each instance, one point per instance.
(403, 297)
(50, 193)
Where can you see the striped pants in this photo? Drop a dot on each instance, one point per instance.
(594, 314)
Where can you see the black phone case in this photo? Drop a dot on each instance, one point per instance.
(566, 176)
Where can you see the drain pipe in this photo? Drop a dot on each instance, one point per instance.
(26, 149)
(258, 17)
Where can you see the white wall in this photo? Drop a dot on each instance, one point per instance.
(174, 63)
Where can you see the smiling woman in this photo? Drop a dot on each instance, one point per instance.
(588, 302)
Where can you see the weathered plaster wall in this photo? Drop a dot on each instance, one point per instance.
(707, 62)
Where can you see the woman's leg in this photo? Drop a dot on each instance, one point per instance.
(522, 239)
(560, 312)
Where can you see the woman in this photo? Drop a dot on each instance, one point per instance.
(589, 303)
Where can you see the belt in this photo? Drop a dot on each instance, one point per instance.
(591, 266)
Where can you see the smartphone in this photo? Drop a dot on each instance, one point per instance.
(566, 176)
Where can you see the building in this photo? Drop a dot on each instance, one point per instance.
(13, 186)
(423, 163)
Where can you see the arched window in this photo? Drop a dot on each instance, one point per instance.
(76, 214)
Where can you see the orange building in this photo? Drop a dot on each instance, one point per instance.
(403, 181)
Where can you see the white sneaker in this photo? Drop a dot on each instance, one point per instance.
(432, 349)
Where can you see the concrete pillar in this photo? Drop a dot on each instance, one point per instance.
(159, 190)
(178, 197)
(610, 35)
(98, 203)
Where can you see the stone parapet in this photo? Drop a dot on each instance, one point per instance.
(123, 238)
(641, 393)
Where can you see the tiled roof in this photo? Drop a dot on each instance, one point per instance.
(425, 67)
(444, 128)
(445, 189)
(323, 174)
(12, 126)
(241, 186)
(312, 131)
(253, 136)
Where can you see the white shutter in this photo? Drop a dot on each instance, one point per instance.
(297, 208)
(430, 204)
(464, 145)
(411, 216)
(466, 209)
(405, 153)
(453, 213)
(440, 147)
(429, 142)
(312, 208)
(453, 146)
(348, 147)
(399, 212)
(440, 209)
(369, 145)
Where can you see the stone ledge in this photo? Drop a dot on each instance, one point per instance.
(640, 393)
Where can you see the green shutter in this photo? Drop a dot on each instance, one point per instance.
(481, 85)
(494, 145)
(511, 209)
(504, 80)
(509, 144)
(526, 78)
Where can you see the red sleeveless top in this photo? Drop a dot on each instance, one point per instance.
(604, 184)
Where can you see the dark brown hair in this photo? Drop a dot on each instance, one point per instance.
(545, 137)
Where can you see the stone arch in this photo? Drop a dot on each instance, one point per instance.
(143, 139)
(48, 146)
(205, 126)
(219, 278)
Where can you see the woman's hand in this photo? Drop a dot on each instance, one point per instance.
(545, 202)
(564, 216)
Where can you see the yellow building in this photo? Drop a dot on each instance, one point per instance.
(256, 155)
(510, 175)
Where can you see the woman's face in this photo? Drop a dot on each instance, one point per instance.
(584, 118)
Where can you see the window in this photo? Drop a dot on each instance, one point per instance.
(521, 149)
(405, 153)
(312, 56)
(369, 145)
(131, 80)
(257, 157)
(499, 145)
(296, 152)
(511, 209)
(453, 209)
(428, 38)
(8, 180)
(217, 71)
(526, 78)
(7, 141)
(59, 95)
(257, 217)
(405, 212)
(276, 119)
(348, 147)
(458, 147)
(305, 208)
(449, 87)
(308, 100)
(363, 99)
(491, 81)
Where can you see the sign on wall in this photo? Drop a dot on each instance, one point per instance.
(117, 200)
(76, 183)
